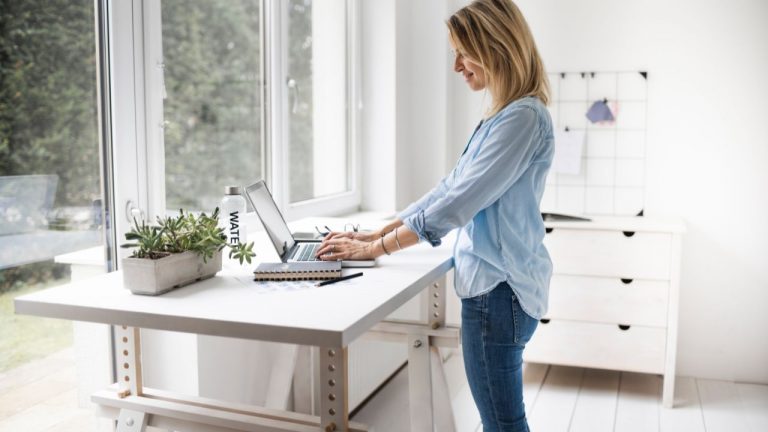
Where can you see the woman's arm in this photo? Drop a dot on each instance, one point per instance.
(508, 149)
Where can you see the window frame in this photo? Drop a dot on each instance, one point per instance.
(146, 80)
(129, 144)
(335, 204)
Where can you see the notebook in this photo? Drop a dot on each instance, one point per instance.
(316, 270)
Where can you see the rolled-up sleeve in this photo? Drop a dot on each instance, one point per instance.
(505, 154)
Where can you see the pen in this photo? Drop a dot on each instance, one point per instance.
(330, 281)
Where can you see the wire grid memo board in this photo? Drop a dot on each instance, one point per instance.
(611, 180)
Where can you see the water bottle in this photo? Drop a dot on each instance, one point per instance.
(232, 212)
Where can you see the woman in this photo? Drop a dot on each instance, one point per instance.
(502, 269)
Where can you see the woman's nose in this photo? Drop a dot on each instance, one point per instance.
(458, 66)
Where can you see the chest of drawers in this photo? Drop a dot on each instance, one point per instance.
(613, 301)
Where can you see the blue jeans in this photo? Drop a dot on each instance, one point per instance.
(494, 331)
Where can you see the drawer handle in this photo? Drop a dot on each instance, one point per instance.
(628, 233)
(548, 230)
(626, 281)
(624, 327)
(544, 320)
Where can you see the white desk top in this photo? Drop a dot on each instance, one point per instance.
(231, 304)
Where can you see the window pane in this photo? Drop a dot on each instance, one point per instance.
(50, 184)
(317, 98)
(213, 105)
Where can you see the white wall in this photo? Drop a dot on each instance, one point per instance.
(422, 50)
(405, 50)
(708, 150)
(378, 113)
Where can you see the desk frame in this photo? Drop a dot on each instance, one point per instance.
(136, 407)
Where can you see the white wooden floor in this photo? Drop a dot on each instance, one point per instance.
(562, 399)
(41, 397)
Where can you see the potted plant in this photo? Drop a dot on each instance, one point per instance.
(176, 252)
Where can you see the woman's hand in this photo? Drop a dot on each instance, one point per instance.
(345, 248)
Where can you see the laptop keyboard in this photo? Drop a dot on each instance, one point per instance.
(307, 252)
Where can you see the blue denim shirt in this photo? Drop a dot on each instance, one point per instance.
(492, 196)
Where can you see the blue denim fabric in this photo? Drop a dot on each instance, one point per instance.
(492, 196)
(494, 331)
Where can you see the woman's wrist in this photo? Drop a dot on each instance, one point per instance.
(374, 248)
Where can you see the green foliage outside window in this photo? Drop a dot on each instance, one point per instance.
(212, 57)
(48, 105)
(48, 125)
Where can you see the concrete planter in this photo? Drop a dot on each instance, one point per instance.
(153, 277)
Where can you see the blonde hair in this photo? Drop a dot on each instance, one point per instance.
(494, 34)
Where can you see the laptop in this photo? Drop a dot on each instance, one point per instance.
(287, 246)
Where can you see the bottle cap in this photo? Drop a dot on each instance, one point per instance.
(232, 190)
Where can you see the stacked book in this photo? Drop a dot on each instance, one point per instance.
(312, 270)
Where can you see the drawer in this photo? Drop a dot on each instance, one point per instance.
(635, 255)
(602, 346)
(609, 300)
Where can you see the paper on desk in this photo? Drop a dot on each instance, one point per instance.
(265, 287)
(568, 148)
(231, 268)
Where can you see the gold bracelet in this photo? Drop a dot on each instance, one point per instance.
(397, 240)
(383, 247)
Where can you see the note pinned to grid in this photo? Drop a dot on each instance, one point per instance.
(569, 146)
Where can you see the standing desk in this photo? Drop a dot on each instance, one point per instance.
(329, 317)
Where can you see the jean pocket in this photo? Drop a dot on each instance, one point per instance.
(524, 324)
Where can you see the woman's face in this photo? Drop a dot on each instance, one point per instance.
(472, 71)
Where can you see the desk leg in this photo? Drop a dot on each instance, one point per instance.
(420, 383)
(428, 390)
(444, 421)
(128, 360)
(128, 367)
(442, 400)
(334, 395)
(436, 304)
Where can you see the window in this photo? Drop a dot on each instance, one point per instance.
(212, 102)
(51, 203)
(318, 151)
(240, 90)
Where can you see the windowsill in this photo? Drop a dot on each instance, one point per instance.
(370, 215)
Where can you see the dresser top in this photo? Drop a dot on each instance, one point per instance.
(624, 223)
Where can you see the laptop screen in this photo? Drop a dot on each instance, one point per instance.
(270, 216)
